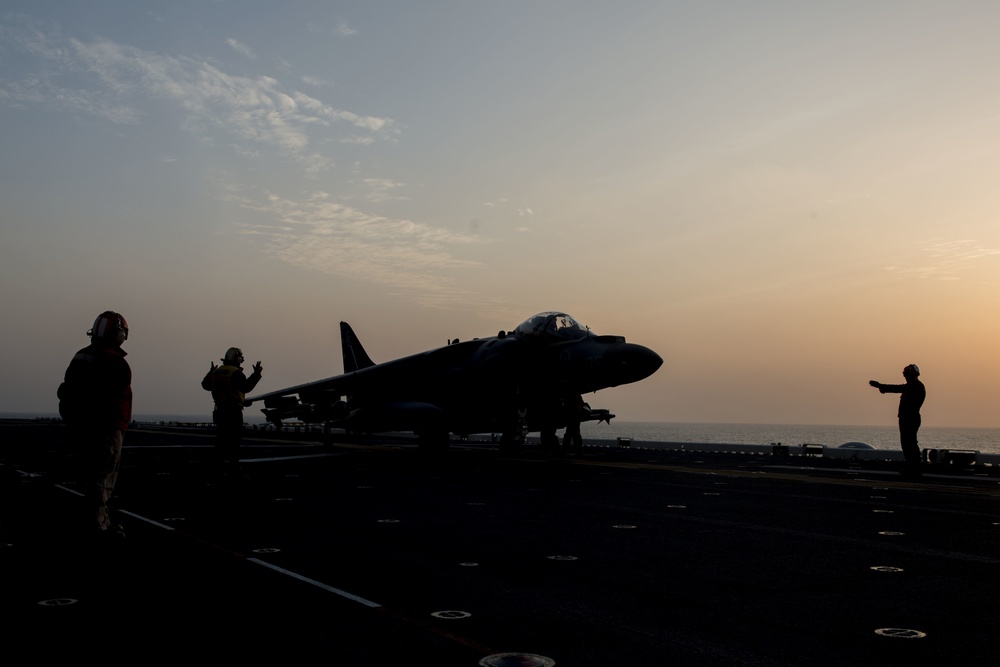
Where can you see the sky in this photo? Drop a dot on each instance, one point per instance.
(784, 199)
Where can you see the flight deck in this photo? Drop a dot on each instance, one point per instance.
(366, 553)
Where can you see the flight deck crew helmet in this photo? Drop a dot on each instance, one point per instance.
(912, 368)
(234, 356)
(110, 325)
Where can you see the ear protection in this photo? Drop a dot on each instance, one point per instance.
(110, 325)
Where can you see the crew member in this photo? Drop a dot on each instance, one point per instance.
(95, 401)
(575, 412)
(229, 387)
(912, 395)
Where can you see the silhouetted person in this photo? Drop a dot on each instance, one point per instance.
(95, 401)
(548, 417)
(911, 397)
(575, 409)
(229, 387)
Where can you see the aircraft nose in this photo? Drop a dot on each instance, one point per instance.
(631, 362)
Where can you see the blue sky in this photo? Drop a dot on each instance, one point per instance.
(784, 199)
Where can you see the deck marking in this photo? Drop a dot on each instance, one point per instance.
(901, 633)
(150, 521)
(318, 584)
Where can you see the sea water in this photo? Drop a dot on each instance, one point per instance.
(985, 440)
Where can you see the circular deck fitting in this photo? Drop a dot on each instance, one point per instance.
(878, 497)
(893, 533)
(563, 558)
(469, 564)
(57, 602)
(901, 633)
(624, 526)
(174, 519)
(388, 520)
(266, 550)
(283, 500)
(677, 507)
(710, 493)
(885, 568)
(451, 614)
(362, 487)
(883, 511)
(516, 660)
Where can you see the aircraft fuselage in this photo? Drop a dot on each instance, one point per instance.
(513, 381)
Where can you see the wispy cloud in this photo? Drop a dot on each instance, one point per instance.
(344, 29)
(317, 81)
(322, 234)
(949, 258)
(241, 48)
(115, 82)
(257, 116)
(380, 189)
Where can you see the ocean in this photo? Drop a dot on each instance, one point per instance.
(985, 440)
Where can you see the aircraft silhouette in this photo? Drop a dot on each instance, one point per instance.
(512, 383)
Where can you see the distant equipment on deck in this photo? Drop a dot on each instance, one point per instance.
(855, 445)
(955, 457)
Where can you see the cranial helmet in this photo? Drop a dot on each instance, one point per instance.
(110, 325)
(912, 368)
(234, 356)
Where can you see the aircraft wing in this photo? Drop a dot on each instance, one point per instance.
(322, 401)
(312, 402)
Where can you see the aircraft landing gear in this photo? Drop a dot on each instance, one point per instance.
(510, 443)
(434, 441)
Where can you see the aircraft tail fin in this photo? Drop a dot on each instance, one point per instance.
(355, 357)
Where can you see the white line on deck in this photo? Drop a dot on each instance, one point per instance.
(319, 584)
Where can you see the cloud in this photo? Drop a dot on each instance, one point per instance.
(949, 258)
(322, 234)
(317, 81)
(944, 259)
(241, 48)
(379, 189)
(114, 82)
(343, 29)
(257, 116)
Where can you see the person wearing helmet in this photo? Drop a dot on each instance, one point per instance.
(229, 387)
(912, 395)
(95, 402)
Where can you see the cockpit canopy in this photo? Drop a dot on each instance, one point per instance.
(551, 326)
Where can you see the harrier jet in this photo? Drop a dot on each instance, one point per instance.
(513, 383)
